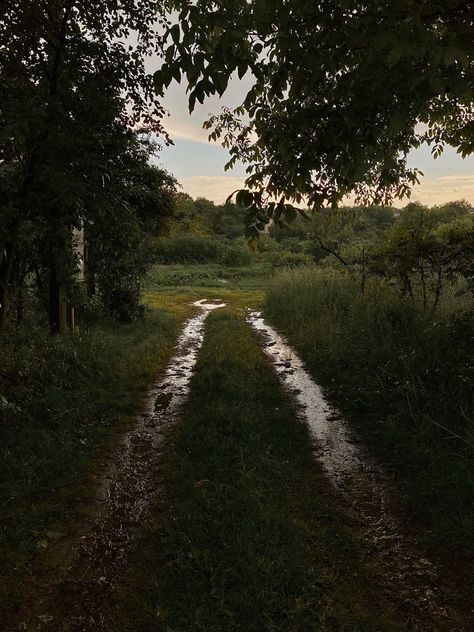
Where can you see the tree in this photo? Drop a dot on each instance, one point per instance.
(71, 75)
(121, 231)
(341, 91)
(423, 252)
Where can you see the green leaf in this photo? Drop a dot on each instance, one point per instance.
(397, 123)
(290, 213)
(175, 33)
(244, 198)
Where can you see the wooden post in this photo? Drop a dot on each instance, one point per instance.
(70, 320)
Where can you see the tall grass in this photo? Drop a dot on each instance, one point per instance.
(406, 381)
(59, 398)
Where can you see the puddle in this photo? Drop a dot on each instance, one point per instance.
(369, 491)
(131, 481)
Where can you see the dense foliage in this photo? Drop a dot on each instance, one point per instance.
(426, 254)
(74, 95)
(337, 91)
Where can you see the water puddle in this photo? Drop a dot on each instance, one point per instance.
(368, 490)
(132, 479)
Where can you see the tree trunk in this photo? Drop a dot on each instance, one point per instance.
(53, 299)
(423, 288)
(363, 280)
(89, 268)
(6, 269)
(438, 289)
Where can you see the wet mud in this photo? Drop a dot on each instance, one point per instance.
(74, 600)
(407, 576)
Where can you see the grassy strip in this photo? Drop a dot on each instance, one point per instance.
(246, 538)
(60, 398)
(407, 382)
(208, 274)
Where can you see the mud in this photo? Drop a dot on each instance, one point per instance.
(406, 575)
(73, 601)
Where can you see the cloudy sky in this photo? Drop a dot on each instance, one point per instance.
(199, 165)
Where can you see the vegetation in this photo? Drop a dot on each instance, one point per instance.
(77, 108)
(425, 253)
(161, 278)
(379, 301)
(405, 381)
(245, 539)
(60, 399)
(336, 92)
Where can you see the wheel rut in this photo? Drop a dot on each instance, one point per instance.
(368, 490)
(73, 598)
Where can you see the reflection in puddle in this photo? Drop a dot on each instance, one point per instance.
(132, 479)
(368, 489)
(335, 450)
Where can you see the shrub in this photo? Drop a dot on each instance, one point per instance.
(187, 248)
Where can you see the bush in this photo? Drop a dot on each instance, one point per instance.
(187, 248)
(285, 259)
(237, 256)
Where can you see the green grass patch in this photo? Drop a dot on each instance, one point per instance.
(406, 381)
(208, 275)
(59, 400)
(245, 538)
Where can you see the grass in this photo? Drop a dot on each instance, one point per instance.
(245, 539)
(202, 281)
(406, 381)
(60, 399)
(208, 275)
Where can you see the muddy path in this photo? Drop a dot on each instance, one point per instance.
(72, 599)
(406, 574)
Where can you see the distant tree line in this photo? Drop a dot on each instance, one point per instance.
(420, 251)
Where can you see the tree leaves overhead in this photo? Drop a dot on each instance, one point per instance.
(338, 92)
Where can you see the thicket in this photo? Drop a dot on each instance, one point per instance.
(77, 108)
(426, 253)
(405, 378)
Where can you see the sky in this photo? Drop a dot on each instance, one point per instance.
(199, 164)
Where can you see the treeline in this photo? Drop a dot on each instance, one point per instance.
(77, 114)
(420, 251)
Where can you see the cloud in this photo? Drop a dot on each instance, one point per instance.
(215, 188)
(433, 191)
(183, 130)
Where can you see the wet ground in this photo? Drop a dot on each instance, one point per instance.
(406, 574)
(72, 599)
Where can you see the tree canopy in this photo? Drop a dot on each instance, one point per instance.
(76, 105)
(340, 91)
